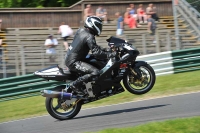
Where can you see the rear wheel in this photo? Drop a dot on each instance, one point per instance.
(57, 108)
(142, 85)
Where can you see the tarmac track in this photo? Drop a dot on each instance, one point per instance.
(120, 115)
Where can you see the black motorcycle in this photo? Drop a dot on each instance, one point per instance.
(137, 77)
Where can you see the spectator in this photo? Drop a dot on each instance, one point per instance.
(120, 24)
(87, 12)
(0, 24)
(151, 27)
(150, 10)
(129, 20)
(1, 51)
(176, 2)
(51, 43)
(102, 13)
(65, 31)
(132, 12)
(141, 14)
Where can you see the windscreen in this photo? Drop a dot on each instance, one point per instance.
(115, 41)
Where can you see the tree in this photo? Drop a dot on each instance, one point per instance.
(36, 3)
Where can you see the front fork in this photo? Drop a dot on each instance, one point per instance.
(135, 69)
(136, 72)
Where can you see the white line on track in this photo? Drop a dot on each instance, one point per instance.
(110, 105)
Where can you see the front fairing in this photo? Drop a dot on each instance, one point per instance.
(118, 42)
(115, 41)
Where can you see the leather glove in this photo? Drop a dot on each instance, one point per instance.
(106, 49)
(112, 54)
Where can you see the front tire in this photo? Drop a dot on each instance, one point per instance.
(143, 85)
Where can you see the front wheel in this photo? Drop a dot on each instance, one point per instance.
(142, 85)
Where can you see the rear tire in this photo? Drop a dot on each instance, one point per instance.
(145, 86)
(62, 116)
(54, 111)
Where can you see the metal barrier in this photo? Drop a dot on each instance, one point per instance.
(190, 14)
(23, 86)
(174, 61)
(186, 60)
(163, 63)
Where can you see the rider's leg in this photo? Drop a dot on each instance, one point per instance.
(91, 74)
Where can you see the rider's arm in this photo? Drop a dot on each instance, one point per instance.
(96, 50)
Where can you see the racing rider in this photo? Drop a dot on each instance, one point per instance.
(83, 42)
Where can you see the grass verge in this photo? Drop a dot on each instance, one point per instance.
(165, 85)
(183, 125)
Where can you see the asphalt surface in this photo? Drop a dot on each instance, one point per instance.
(122, 115)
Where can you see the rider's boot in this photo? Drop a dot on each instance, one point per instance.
(76, 85)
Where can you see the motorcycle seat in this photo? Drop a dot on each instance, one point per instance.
(66, 71)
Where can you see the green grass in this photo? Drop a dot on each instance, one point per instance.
(165, 85)
(186, 125)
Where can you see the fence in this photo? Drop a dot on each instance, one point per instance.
(163, 63)
(23, 86)
(25, 59)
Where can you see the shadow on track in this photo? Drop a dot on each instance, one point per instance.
(122, 111)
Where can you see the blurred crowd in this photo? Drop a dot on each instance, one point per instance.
(133, 17)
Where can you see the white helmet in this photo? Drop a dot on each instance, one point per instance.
(95, 24)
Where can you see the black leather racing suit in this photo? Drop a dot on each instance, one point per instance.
(83, 42)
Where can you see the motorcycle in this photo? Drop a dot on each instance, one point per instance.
(122, 71)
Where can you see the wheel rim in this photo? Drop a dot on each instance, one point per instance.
(56, 107)
(144, 83)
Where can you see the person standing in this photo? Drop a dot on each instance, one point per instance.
(120, 24)
(151, 27)
(51, 43)
(65, 32)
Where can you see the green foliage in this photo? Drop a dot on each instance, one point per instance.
(195, 4)
(36, 3)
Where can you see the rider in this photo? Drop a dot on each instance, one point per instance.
(83, 42)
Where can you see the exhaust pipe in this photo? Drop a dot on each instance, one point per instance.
(56, 94)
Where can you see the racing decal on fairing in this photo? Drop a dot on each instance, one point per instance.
(108, 65)
(52, 71)
(128, 47)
